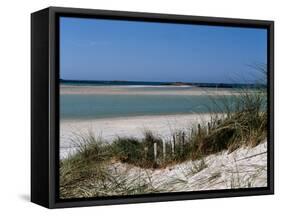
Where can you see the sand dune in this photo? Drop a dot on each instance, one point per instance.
(243, 168)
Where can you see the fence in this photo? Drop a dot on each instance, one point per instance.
(177, 144)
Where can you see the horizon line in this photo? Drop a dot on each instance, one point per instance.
(183, 82)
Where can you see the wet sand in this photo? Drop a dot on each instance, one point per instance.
(141, 90)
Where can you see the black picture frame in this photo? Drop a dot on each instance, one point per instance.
(45, 106)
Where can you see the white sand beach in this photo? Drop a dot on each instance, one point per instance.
(243, 168)
(110, 128)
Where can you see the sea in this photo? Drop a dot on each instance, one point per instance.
(97, 106)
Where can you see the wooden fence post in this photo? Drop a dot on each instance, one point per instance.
(173, 147)
(164, 149)
(199, 129)
(145, 152)
(155, 151)
(209, 128)
(180, 144)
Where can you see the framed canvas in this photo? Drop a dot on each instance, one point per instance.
(138, 107)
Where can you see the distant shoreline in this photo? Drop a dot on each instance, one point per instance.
(145, 83)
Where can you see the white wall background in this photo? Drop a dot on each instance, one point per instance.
(15, 106)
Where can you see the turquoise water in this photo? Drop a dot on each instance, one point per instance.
(108, 106)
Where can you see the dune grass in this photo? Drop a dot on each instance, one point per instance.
(244, 123)
(87, 173)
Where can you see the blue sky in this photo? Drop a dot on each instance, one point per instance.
(96, 49)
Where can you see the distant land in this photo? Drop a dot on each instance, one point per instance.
(195, 84)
